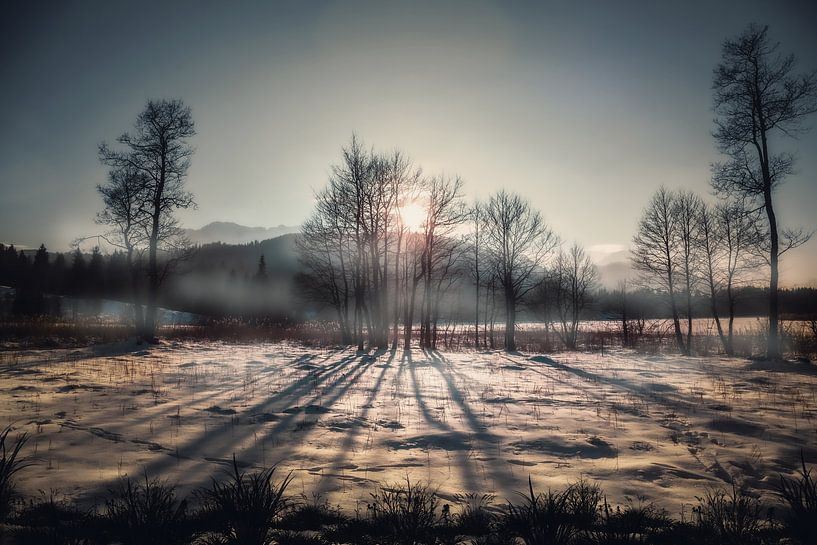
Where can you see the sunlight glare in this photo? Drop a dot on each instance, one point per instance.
(413, 215)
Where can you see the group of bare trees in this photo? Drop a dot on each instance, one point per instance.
(354, 244)
(385, 278)
(146, 184)
(683, 244)
(362, 258)
(683, 247)
(383, 275)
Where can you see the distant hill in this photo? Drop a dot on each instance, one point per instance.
(280, 254)
(613, 273)
(615, 267)
(232, 233)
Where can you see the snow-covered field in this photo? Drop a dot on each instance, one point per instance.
(664, 427)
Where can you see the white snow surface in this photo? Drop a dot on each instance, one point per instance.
(661, 427)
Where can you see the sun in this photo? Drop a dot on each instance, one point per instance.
(413, 216)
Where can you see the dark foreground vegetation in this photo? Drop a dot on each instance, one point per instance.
(256, 508)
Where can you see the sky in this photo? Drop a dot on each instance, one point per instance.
(585, 108)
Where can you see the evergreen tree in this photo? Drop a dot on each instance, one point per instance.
(77, 274)
(95, 276)
(8, 264)
(21, 269)
(29, 299)
(40, 268)
(56, 281)
(261, 274)
(116, 276)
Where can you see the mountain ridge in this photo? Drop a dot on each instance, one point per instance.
(229, 232)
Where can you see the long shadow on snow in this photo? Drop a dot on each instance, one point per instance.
(230, 435)
(489, 443)
(452, 441)
(350, 438)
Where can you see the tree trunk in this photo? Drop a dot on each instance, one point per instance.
(138, 316)
(713, 299)
(625, 331)
(153, 281)
(721, 336)
(408, 321)
(730, 344)
(476, 316)
(679, 337)
(510, 322)
(773, 345)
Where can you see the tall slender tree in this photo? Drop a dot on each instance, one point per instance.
(710, 242)
(444, 212)
(655, 253)
(477, 217)
(686, 209)
(757, 97)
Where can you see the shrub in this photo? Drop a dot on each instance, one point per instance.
(800, 494)
(494, 538)
(289, 537)
(730, 517)
(53, 522)
(551, 518)
(583, 501)
(310, 515)
(474, 519)
(406, 514)
(146, 512)
(245, 508)
(353, 531)
(634, 524)
(10, 464)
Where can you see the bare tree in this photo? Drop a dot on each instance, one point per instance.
(573, 277)
(477, 217)
(412, 274)
(348, 244)
(687, 209)
(444, 212)
(711, 244)
(622, 300)
(741, 246)
(159, 151)
(655, 253)
(520, 240)
(757, 96)
(449, 270)
(123, 197)
(490, 288)
(324, 253)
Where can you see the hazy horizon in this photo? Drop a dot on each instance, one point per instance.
(584, 110)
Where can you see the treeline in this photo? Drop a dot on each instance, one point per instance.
(264, 280)
(34, 276)
(217, 280)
